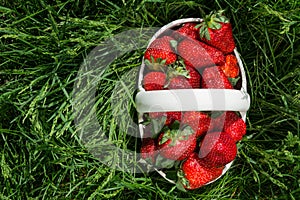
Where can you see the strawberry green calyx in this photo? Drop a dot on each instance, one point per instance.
(233, 81)
(178, 69)
(177, 144)
(185, 133)
(176, 134)
(218, 17)
(212, 21)
(166, 136)
(156, 65)
(182, 182)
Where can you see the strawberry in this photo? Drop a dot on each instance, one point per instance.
(170, 116)
(148, 149)
(187, 30)
(149, 145)
(198, 54)
(214, 77)
(191, 26)
(230, 123)
(218, 149)
(177, 144)
(195, 173)
(154, 81)
(195, 77)
(216, 31)
(179, 82)
(198, 121)
(161, 50)
(231, 68)
(182, 76)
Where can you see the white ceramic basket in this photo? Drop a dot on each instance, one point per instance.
(190, 99)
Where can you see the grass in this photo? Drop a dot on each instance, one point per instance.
(43, 44)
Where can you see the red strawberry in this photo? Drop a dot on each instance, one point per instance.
(214, 77)
(149, 145)
(195, 173)
(192, 26)
(179, 82)
(231, 67)
(230, 123)
(182, 76)
(161, 49)
(198, 121)
(218, 149)
(216, 31)
(187, 30)
(198, 54)
(170, 116)
(177, 144)
(154, 81)
(195, 77)
(148, 149)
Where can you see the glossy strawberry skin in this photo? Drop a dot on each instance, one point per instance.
(179, 82)
(179, 149)
(218, 149)
(199, 55)
(161, 48)
(231, 68)
(154, 81)
(187, 30)
(222, 38)
(196, 173)
(230, 123)
(195, 77)
(193, 80)
(214, 77)
(149, 149)
(198, 121)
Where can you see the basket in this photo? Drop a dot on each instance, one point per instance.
(190, 99)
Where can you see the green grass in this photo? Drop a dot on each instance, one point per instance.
(43, 44)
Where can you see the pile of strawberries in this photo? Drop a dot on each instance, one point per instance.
(197, 144)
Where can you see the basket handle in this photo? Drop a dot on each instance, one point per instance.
(192, 100)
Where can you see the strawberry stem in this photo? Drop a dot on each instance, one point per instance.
(212, 21)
